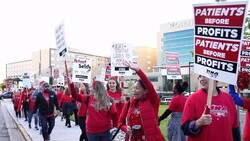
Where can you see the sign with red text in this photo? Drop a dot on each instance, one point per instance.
(217, 39)
(61, 45)
(82, 67)
(107, 73)
(120, 52)
(56, 73)
(245, 56)
(173, 65)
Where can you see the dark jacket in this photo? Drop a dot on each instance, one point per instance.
(42, 105)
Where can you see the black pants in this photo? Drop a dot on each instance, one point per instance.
(75, 115)
(18, 114)
(48, 124)
(25, 109)
(82, 124)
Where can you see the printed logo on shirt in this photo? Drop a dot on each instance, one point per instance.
(136, 111)
(52, 96)
(219, 110)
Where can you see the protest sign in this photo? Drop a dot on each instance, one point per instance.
(217, 39)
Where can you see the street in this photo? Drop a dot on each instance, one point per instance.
(8, 127)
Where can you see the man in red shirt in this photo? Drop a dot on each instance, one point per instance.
(221, 124)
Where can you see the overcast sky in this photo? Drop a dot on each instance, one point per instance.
(90, 25)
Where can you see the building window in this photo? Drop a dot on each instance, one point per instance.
(153, 78)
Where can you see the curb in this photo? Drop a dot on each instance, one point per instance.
(20, 127)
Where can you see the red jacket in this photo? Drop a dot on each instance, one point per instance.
(148, 106)
(246, 134)
(23, 97)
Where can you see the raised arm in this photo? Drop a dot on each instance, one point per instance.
(149, 86)
(237, 100)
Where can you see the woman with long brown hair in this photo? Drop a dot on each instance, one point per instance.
(102, 115)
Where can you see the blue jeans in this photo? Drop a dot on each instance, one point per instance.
(104, 136)
(45, 122)
(30, 115)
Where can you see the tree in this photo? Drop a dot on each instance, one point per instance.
(2, 86)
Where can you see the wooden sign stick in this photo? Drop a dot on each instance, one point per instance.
(209, 96)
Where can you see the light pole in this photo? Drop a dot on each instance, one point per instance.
(189, 65)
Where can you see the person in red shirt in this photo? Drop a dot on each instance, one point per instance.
(23, 103)
(67, 106)
(31, 109)
(139, 119)
(220, 124)
(16, 100)
(245, 103)
(59, 96)
(115, 92)
(82, 111)
(102, 115)
(175, 108)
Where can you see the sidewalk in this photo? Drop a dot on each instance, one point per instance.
(59, 133)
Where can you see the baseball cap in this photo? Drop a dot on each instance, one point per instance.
(46, 85)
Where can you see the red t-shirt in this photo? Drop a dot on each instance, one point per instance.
(246, 134)
(223, 112)
(99, 121)
(59, 96)
(65, 98)
(177, 103)
(46, 96)
(16, 99)
(83, 109)
(117, 97)
(31, 102)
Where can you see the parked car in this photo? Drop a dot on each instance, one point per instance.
(6, 95)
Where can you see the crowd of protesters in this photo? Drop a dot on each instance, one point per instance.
(100, 110)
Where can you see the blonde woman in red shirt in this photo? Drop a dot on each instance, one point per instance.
(102, 115)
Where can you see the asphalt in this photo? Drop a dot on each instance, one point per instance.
(59, 133)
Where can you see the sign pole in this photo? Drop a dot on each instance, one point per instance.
(209, 96)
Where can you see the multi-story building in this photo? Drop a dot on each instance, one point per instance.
(146, 57)
(44, 61)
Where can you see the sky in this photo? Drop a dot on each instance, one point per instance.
(90, 25)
